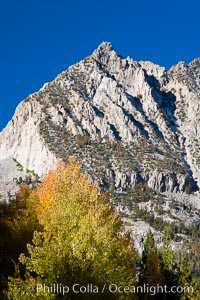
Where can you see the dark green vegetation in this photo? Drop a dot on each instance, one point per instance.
(99, 154)
(65, 232)
(105, 154)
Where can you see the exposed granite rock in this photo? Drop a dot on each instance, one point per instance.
(146, 120)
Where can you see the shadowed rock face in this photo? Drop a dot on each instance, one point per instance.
(129, 122)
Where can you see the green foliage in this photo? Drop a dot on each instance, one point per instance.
(81, 240)
(82, 140)
(168, 263)
(151, 270)
(150, 266)
(160, 267)
(168, 257)
(174, 228)
(16, 230)
(18, 165)
(186, 277)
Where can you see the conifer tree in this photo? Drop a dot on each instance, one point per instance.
(187, 279)
(151, 269)
(169, 266)
(167, 253)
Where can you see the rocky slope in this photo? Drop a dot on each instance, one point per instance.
(131, 123)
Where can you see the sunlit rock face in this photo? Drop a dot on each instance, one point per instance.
(128, 122)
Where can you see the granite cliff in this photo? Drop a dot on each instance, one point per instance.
(130, 123)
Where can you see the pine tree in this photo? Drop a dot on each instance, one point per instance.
(169, 265)
(187, 279)
(167, 253)
(151, 269)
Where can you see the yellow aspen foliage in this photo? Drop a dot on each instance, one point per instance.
(82, 238)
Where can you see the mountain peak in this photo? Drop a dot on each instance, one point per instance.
(105, 46)
(195, 62)
(105, 49)
(105, 54)
(116, 101)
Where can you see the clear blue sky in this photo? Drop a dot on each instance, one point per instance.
(41, 38)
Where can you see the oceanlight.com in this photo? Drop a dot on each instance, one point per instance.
(112, 288)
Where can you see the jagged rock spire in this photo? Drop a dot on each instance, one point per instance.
(105, 52)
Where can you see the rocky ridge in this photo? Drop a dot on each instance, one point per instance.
(131, 123)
